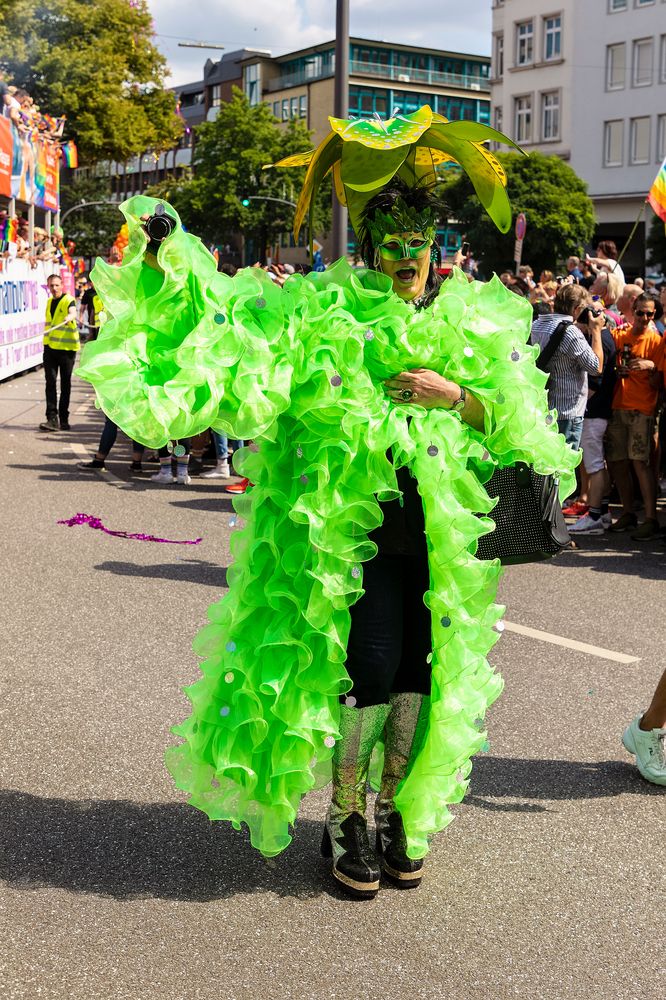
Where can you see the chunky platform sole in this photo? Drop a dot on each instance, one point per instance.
(353, 887)
(400, 879)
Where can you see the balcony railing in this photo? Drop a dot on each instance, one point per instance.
(397, 74)
(296, 79)
(401, 74)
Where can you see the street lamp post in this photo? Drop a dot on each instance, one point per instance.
(341, 110)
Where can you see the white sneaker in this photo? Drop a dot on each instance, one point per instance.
(607, 520)
(184, 480)
(586, 525)
(649, 750)
(165, 475)
(221, 471)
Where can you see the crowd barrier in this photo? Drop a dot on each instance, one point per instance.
(23, 295)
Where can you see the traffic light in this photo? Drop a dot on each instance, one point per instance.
(245, 202)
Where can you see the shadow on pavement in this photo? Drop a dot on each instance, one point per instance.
(495, 778)
(183, 570)
(129, 850)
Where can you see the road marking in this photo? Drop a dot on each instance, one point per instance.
(104, 474)
(559, 640)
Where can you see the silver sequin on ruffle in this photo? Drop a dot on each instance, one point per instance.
(515, 356)
(220, 318)
(356, 572)
(260, 303)
(468, 352)
(230, 646)
(336, 381)
(329, 742)
(369, 334)
(433, 451)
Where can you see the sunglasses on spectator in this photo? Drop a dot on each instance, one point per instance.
(642, 314)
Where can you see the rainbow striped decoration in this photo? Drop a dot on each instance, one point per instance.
(657, 195)
(70, 154)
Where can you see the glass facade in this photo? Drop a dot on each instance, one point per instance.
(365, 101)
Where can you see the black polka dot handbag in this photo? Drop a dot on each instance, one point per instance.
(529, 525)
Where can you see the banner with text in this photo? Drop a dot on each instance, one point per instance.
(23, 295)
(35, 165)
(6, 156)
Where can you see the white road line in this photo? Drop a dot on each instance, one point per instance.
(559, 640)
(104, 474)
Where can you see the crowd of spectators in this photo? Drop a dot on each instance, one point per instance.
(20, 108)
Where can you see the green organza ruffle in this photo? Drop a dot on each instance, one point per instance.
(301, 370)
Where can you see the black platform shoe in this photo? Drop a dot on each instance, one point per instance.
(400, 870)
(355, 864)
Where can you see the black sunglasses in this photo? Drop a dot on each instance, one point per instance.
(644, 315)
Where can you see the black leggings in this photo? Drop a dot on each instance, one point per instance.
(390, 637)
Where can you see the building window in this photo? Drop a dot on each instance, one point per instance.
(524, 43)
(252, 76)
(662, 60)
(523, 119)
(497, 117)
(550, 116)
(616, 5)
(552, 37)
(644, 3)
(216, 96)
(613, 143)
(639, 142)
(303, 106)
(365, 101)
(285, 109)
(499, 56)
(661, 138)
(616, 64)
(293, 107)
(642, 62)
(276, 109)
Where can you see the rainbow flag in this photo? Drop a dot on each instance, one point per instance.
(70, 154)
(657, 194)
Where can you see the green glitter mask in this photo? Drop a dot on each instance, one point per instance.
(402, 219)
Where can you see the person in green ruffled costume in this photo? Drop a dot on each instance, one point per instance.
(358, 617)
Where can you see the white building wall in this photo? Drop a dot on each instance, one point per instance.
(587, 101)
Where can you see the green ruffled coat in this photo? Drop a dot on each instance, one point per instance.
(300, 369)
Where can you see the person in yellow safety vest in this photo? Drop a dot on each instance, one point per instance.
(61, 343)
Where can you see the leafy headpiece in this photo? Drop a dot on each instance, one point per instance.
(366, 154)
(402, 219)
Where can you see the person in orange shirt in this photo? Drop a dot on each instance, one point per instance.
(640, 352)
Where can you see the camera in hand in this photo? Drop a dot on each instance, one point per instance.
(159, 227)
(584, 315)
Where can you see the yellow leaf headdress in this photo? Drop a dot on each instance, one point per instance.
(366, 154)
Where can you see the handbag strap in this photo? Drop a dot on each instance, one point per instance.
(556, 339)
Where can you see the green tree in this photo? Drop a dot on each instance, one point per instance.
(95, 61)
(93, 229)
(230, 154)
(656, 243)
(560, 214)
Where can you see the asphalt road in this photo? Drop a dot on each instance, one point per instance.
(549, 884)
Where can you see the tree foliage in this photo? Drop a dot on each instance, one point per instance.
(229, 156)
(95, 61)
(656, 243)
(560, 214)
(93, 229)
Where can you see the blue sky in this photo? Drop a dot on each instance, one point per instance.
(284, 25)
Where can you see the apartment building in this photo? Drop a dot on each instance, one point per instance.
(586, 80)
(382, 76)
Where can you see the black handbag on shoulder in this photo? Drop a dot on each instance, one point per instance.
(529, 525)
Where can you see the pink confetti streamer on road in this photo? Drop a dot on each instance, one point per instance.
(94, 522)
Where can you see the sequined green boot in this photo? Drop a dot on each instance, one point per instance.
(355, 864)
(404, 733)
